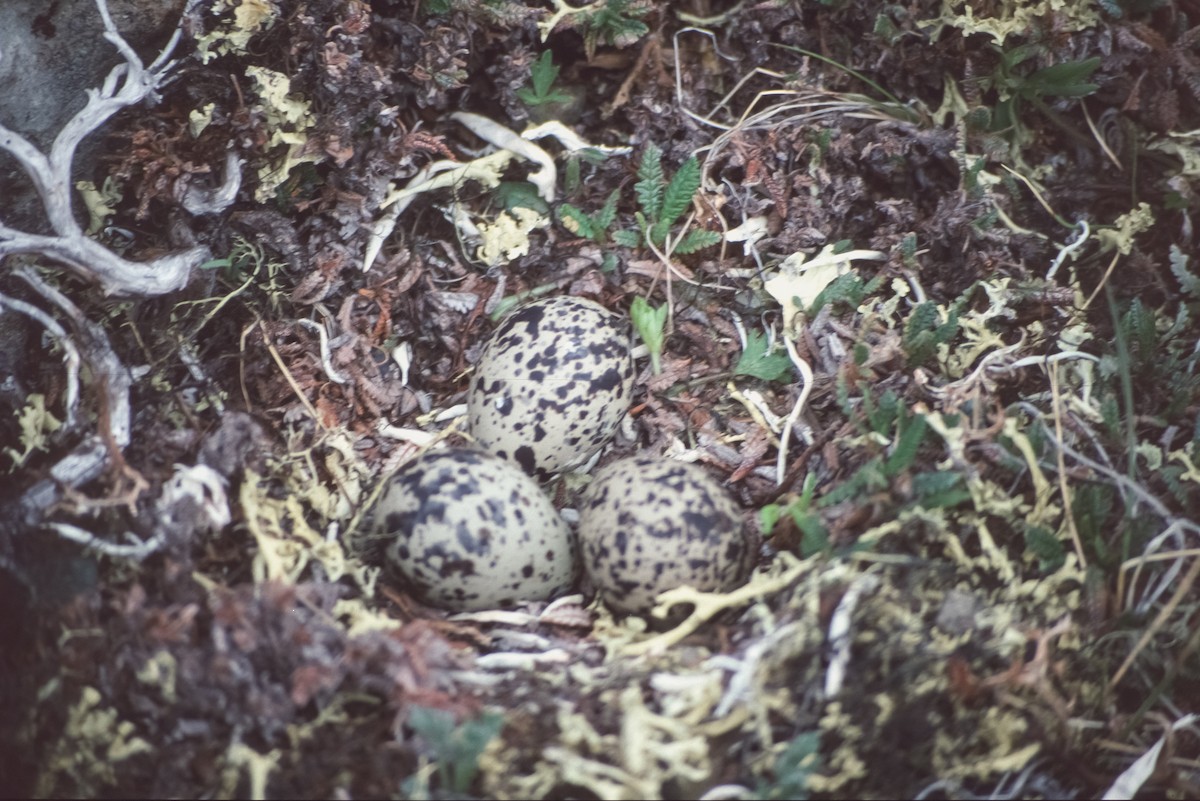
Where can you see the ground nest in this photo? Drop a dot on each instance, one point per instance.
(914, 282)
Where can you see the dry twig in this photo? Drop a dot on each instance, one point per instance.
(127, 84)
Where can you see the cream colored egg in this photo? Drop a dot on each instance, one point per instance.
(552, 384)
(648, 525)
(465, 530)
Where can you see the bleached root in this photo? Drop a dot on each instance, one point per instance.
(84, 342)
(127, 84)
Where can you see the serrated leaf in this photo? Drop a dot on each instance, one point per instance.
(658, 233)
(608, 212)
(627, 239)
(756, 362)
(940, 489)
(696, 239)
(907, 444)
(1179, 267)
(649, 188)
(680, 191)
(1047, 548)
(576, 221)
(846, 288)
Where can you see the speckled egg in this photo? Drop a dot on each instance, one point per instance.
(650, 524)
(466, 530)
(552, 384)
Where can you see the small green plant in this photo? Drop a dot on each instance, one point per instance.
(520, 194)
(662, 203)
(847, 290)
(1044, 546)
(590, 226)
(614, 22)
(246, 265)
(543, 74)
(814, 536)
(650, 323)
(798, 760)
(924, 331)
(572, 173)
(760, 361)
(888, 419)
(457, 747)
(1015, 85)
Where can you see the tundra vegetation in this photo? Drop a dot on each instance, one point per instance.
(917, 282)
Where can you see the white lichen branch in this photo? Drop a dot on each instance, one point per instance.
(111, 385)
(70, 352)
(127, 84)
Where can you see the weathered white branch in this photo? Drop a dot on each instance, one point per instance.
(112, 381)
(126, 85)
(70, 352)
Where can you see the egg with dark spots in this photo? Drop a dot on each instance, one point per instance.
(648, 525)
(552, 384)
(465, 530)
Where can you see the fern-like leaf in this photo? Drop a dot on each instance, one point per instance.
(696, 239)
(1187, 279)
(906, 445)
(680, 192)
(608, 212)
(576, 221)
(649, 188)
(627, 239)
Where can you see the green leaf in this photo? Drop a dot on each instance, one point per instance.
(457, 746)
(591, 226)
(882, 413)
(847, 288)
(1045, 547)
(608, 212)
(696, 239)
(658, 233)
(520, 194)
(1179, 267)
(940, 489)
(815, 538)
(627, 239)
(649, 188)
(576, 221)
(768, 516)
(1020, 54)
(799, 760)
(755, 361)
(615, 23)
(680, 192)
(1063, 80)
(907, 444)
(543, 74)
(650, 323)
(924, 331)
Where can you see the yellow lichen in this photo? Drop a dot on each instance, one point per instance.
(94, 742)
